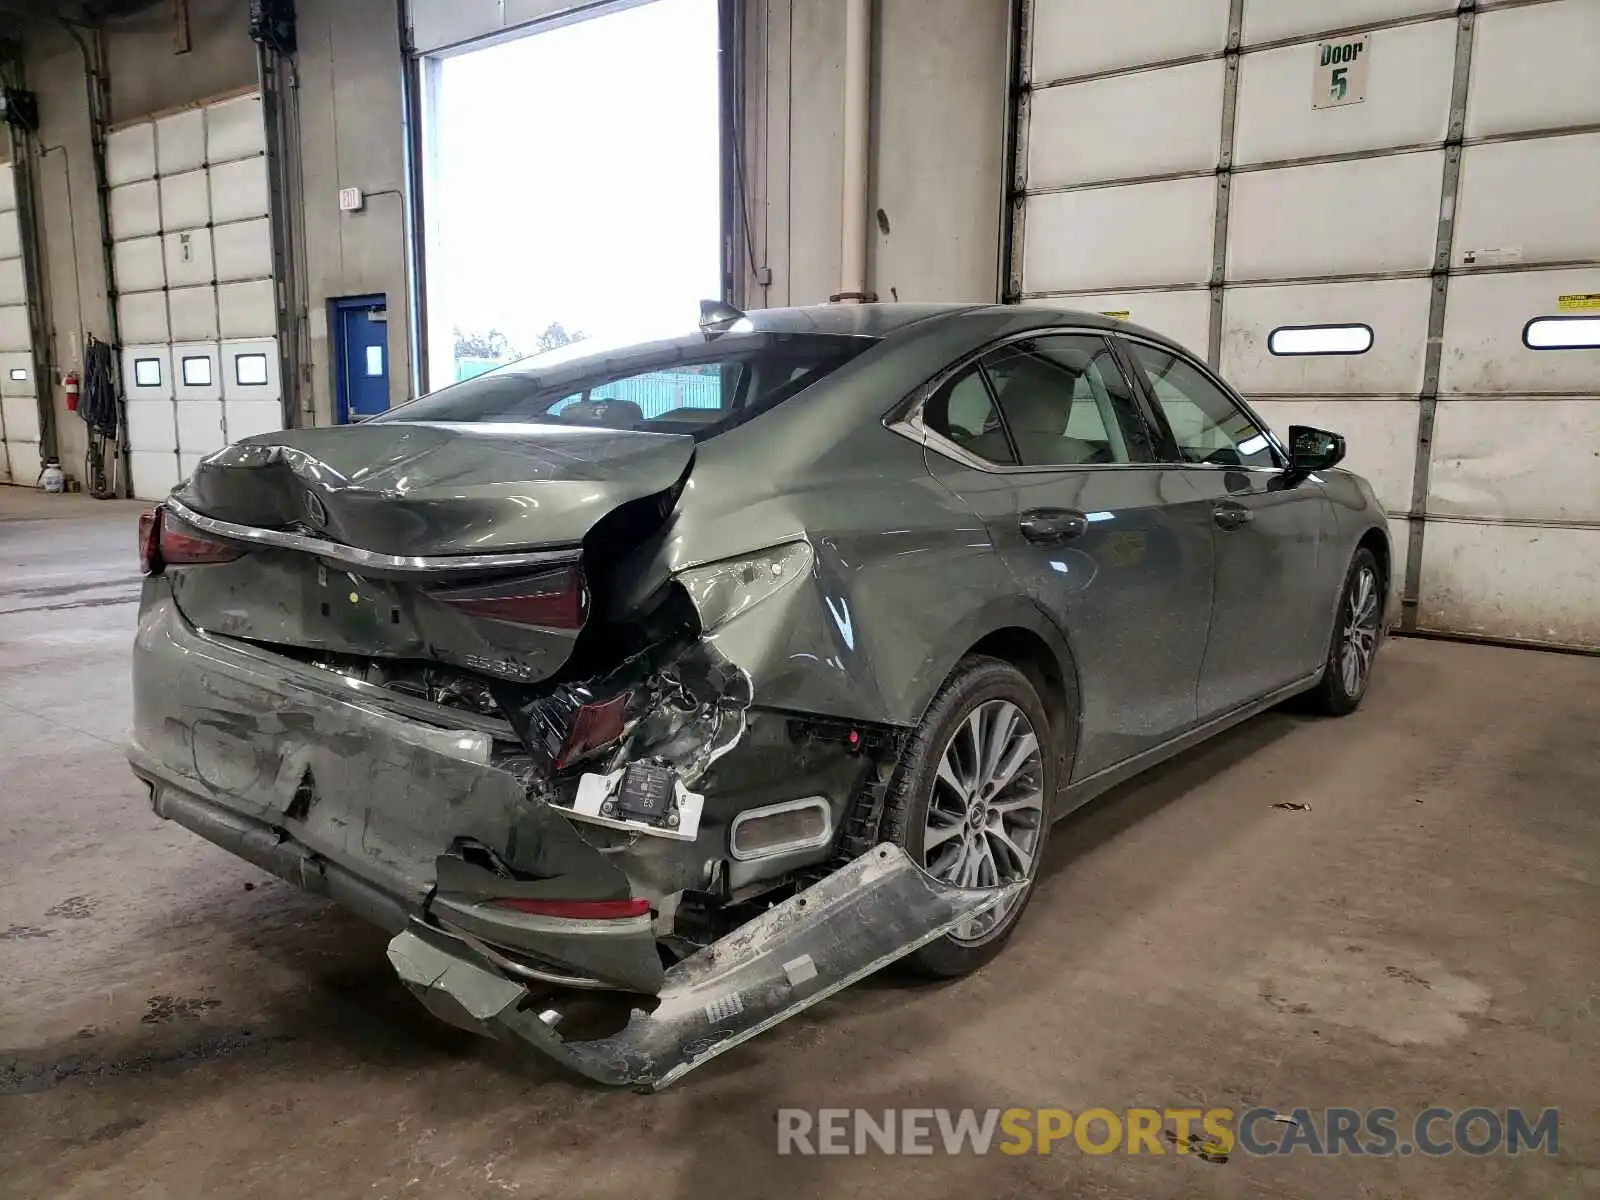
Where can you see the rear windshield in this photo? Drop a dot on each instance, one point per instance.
(694, 385)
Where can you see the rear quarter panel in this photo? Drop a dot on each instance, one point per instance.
(906, 577)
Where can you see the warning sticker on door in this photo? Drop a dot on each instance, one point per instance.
(1579, 302)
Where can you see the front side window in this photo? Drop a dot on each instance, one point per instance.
(692, 386)
(1206, 424)
(1065, 402)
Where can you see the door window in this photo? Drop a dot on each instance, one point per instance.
(963, 412)
(1206, 424)
(1065, 403)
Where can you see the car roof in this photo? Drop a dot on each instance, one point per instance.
(886, 319)
(865, 320)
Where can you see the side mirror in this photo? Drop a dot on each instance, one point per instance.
(1313, 450)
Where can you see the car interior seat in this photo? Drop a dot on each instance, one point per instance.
(1035, 397)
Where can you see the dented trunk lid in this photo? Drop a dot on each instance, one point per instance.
(454, 543)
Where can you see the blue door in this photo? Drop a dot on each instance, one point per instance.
(362, 356)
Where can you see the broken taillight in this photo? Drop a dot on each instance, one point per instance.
(150, 542)
(181, 545)
(551, 600)
(594, 726)
(585, 910)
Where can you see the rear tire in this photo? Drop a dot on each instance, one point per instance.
(1354, 640)
(970, 802)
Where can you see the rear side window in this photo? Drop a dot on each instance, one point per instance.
(1058, 400)
(963, 412)
(693, 386)
(1066, 403)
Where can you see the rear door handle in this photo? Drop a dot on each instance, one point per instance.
(1052, 526)
(1231, 515)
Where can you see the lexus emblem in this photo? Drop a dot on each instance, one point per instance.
(315, 512)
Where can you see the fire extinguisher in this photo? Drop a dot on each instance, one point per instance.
(71, 385)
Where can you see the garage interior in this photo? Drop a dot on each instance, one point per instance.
(243, 203)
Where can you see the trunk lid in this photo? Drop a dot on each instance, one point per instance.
(459, 543)
(404, 489)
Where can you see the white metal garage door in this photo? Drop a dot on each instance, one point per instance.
(439, 25)
(1196, 165)
(197, 305)
(19, 405)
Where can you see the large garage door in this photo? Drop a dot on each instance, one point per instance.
(1379, 216)
(439, 25)
(193, 257)
(19, 405)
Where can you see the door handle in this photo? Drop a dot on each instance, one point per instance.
(1230, 515)
(1052, 526)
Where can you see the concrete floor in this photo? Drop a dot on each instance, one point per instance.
(175, 1023)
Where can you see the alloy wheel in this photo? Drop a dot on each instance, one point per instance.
(987, 809)
(1359, 636)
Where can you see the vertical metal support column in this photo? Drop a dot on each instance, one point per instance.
(1014, 199)
(730, 170)
(277, 100)
(1219, 229)
(97, 84)
(411, 98)
(33, 287)
(855, 187)
(753, 20)
(1428, 398)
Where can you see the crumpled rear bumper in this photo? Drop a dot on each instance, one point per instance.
(864, 916)
(350, 793)
(355, 795)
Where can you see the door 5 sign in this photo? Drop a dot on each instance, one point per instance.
(1341, 74)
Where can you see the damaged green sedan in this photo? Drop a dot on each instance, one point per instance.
(707, 676)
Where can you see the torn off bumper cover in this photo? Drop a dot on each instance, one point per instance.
(862, 917)
(347, 792)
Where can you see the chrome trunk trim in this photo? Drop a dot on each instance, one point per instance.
(283, 539)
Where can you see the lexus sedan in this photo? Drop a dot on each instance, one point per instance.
(648, 694)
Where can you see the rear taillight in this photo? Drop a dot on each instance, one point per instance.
(577, 910)
(165, 541)
(150, 542)
(183, 545)
(551, 600)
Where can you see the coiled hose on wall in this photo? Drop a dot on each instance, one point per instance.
(101, 412)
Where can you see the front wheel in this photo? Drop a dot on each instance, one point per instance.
(971, 801)
(1357, 630)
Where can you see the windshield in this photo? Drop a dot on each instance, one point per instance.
(692, 385)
